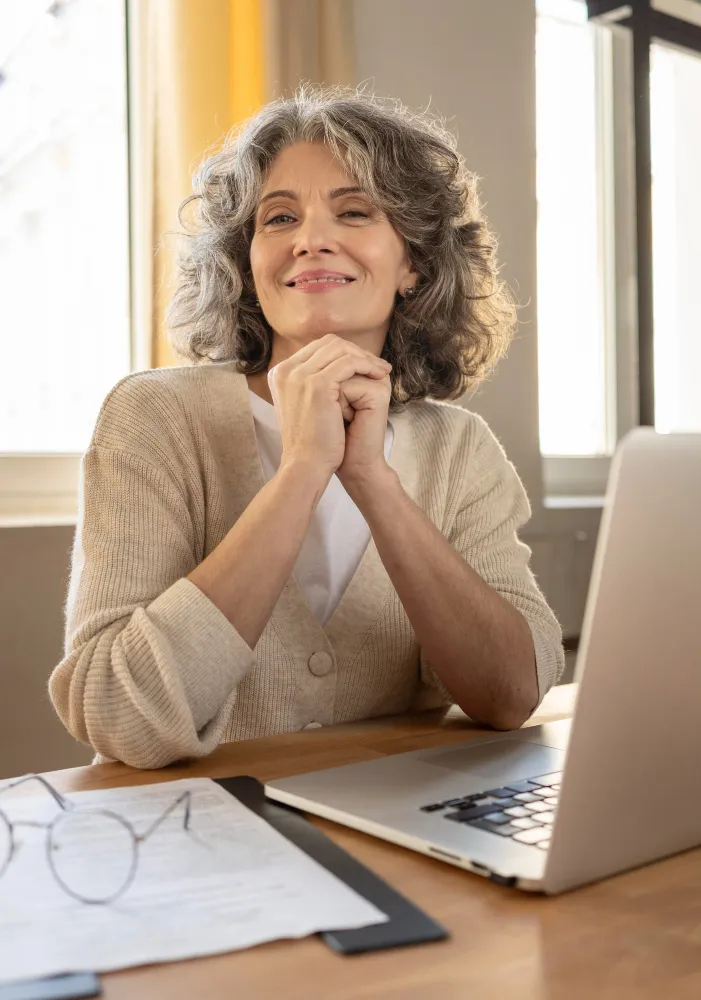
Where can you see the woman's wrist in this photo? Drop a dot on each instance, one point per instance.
(367, 483)
(302, 479)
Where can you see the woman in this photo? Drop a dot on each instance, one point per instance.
(298, 533)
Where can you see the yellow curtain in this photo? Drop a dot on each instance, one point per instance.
(209, 75)
(210, 65)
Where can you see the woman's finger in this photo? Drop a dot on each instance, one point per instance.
(361, 392)
(347, 410)
(315, 357)
(346, 367)
(309, 350)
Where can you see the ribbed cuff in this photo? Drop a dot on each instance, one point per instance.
(209, 654)
(549, 660)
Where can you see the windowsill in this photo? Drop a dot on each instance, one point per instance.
(575, 480)
(39, 490)
(573, 502)
(37, 520)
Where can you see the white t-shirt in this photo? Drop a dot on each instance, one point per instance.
(338, 533)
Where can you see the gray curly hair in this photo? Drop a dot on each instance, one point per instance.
(439, 343)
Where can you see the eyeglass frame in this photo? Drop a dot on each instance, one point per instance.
(69, 808)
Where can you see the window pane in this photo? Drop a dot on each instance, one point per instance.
(64, 309)
(572, 349)
(675, 94)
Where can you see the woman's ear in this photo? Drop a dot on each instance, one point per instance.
(407, 279)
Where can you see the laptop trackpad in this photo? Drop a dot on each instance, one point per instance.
(499, 761)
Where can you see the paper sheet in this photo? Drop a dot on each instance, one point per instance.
(232, 883)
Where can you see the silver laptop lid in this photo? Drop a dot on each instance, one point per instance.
(631, 790)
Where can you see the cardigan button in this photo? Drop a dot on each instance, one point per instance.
(320, 664)
(312, 725)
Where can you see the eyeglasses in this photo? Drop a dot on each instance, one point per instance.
(93, 853)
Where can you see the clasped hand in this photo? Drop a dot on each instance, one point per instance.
(332, 399)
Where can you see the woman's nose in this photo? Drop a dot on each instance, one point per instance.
(315, 235)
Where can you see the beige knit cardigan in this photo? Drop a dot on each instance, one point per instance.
(154, 672)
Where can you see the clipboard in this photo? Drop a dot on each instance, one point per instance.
(407, 924)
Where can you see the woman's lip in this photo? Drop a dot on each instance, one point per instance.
(318, 287)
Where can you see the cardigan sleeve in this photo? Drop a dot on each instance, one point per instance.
(493, 507)
(151, 665)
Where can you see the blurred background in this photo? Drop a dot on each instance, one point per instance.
(583, 121)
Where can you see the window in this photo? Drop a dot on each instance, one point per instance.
(64, 240)
(675, 99)
(576, 363)
(587, 318)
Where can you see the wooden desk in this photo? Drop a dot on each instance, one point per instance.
(633, 937)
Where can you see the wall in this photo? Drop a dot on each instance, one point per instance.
(474, 62)
(33, 579)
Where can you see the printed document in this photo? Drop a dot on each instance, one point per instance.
(232, 881)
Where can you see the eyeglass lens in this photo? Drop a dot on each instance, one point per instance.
(5, 843)
(93, 854)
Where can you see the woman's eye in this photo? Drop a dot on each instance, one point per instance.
(275, 218)
(283, 217)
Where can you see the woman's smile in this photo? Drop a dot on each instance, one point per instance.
(318, 281)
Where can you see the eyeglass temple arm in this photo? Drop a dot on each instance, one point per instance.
(185, 797)
(65, 804)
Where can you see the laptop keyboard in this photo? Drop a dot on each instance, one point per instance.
(523, 810)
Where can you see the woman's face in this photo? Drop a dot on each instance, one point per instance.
(313, 222)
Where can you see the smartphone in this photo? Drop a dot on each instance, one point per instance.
(72, 985)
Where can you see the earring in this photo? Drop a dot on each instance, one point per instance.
(410, 292)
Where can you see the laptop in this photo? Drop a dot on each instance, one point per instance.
(552, 807)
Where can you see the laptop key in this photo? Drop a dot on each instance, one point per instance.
(519, 811)
(474, 812)
(506, 803)
(500, 793)
(548, 779)
(526, 797)
(462, 802)
(466, 800)
(525, 824)
(497, 817)
(539, 806)
(520, 786)
(503, 829)
(534, 836)
(548, 818)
